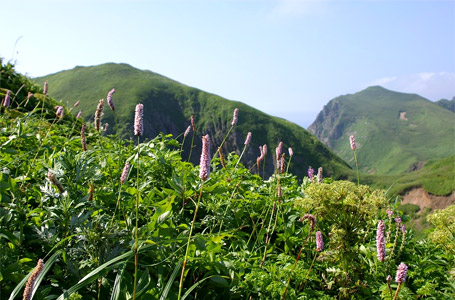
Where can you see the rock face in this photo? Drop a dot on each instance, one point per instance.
(327, 126)
(394, 132)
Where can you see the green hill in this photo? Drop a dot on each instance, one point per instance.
(395, 132)
(169, 105)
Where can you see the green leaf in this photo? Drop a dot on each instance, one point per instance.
(220, 281)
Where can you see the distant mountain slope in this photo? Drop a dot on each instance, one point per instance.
(395, 132)
(169, 105)
(448, 104)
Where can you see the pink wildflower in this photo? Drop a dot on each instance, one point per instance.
(310, 174)
(187, 131)
(46, 87)
(235, 117)
(7, 100)
(311, 219)
(380, 243)
(99, 114)
(59, 112)
(32, 279)
(138, 120)
(352, 141)
(204, 171)
(109, 99)
(291, 153)
(248, 138)
(319, 241)
(125, 171)
(402, 272)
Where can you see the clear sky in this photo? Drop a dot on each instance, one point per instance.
(287, 58)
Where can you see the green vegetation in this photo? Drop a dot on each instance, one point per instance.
(395, 132)
(443, 234)
(437, 177)
(169, 105)
(448, 104)
(252, 237)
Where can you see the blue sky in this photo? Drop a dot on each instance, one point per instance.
(287, 58)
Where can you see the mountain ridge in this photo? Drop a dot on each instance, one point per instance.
(392, 129)
(168, 106)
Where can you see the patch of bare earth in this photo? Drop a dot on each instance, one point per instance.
(427, 203)
(421, 198)
(403, 116)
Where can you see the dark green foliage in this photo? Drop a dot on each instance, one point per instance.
(448, 104)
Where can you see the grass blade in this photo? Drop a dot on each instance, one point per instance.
(97, 272)
(187, 293)
(118, 281)
(171, 280)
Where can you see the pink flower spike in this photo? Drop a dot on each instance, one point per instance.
(138, 120)
(99, 114)
(46, 87)
(187, 131)
(204, 165)
(319, 241)
(248, 138)
(109, 99)
(125, 171)
(402, 272)
(352, 141)
(59, 112)
(7, 101)
(380, 243)
(235, 117)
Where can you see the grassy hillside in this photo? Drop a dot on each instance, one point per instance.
(169, 106)
(395, 132)
(437, 177)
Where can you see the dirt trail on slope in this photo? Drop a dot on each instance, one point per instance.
(421, 198)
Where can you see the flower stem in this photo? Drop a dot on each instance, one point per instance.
(222, 143)
(136, 233)
(188, 242)
(191, 148)
(295, 264)
(357, 167)
(398, 290)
